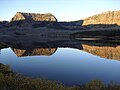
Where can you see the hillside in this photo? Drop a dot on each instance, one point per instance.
(110, 17)
(32, 20)
(33, 16)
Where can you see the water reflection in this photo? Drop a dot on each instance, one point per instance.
(109, 49)
(109, 52)
(67, 61)
(34, 52)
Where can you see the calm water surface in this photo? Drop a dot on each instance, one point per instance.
(67, 65)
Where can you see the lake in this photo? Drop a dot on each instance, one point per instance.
(69, 62)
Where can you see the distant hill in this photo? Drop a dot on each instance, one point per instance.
(110, 17)
(3, 24)
(32, 19)
(33, 16)
(36, 20)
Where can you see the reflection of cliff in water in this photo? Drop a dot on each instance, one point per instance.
(47, 48)
(104, 51)
(34, 52)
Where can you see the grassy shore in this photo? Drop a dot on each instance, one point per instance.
(12, 81)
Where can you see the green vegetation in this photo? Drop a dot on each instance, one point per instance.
(12, 81)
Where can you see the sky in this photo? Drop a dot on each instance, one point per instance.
(63, 10)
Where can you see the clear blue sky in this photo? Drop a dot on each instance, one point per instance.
(64, 10)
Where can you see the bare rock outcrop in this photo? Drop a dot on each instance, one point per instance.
(110, 17)
(34, 17)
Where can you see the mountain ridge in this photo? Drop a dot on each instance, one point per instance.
(109, 17)
(33, 16)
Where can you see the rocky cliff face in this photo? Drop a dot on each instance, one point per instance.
(34, 17)
(111, 17)
(34, 52)
(108, 52)
(32, 20)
